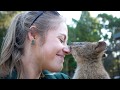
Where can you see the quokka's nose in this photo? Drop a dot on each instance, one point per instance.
(70, 45)
(70, 48)
(73, 44)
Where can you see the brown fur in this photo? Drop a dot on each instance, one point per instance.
(88, 56)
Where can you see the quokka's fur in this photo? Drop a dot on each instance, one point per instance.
(88, 56)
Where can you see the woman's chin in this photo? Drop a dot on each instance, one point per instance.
(57, 69)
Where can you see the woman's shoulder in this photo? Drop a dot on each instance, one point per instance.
(49, 75)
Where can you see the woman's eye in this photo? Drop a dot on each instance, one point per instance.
(61, 41)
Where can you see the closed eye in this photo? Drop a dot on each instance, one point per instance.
(62, 41)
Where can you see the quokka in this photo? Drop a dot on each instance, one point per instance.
(88, 56)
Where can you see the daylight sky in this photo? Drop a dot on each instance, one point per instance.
(76, 14)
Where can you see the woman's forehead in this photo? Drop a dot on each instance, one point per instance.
(61, 29)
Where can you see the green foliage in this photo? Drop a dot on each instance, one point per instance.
(113, 25)
(87, 29)
(5, 18)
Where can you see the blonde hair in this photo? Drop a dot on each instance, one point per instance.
(13, 43)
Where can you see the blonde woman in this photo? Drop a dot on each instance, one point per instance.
(35, 41)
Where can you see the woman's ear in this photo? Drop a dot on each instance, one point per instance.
(32, 34)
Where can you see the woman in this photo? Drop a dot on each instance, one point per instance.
(35, 41)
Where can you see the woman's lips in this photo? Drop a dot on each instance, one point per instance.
(60, 55)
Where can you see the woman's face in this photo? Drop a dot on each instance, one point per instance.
(55, 48)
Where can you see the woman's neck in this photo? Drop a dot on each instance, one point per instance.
(31, 70)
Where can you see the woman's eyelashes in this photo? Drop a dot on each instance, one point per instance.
(61, 40)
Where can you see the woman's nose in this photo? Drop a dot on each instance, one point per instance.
(67, 50)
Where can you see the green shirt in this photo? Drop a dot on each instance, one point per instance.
(46, 75)
(59, 75)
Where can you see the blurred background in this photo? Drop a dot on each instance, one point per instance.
(85, 26)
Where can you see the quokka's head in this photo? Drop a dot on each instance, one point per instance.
(89, 50)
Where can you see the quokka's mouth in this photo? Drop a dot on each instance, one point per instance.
(102, 43)
(101, 46)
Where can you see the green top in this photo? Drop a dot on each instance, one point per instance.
(59, 75)
(46, 75)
